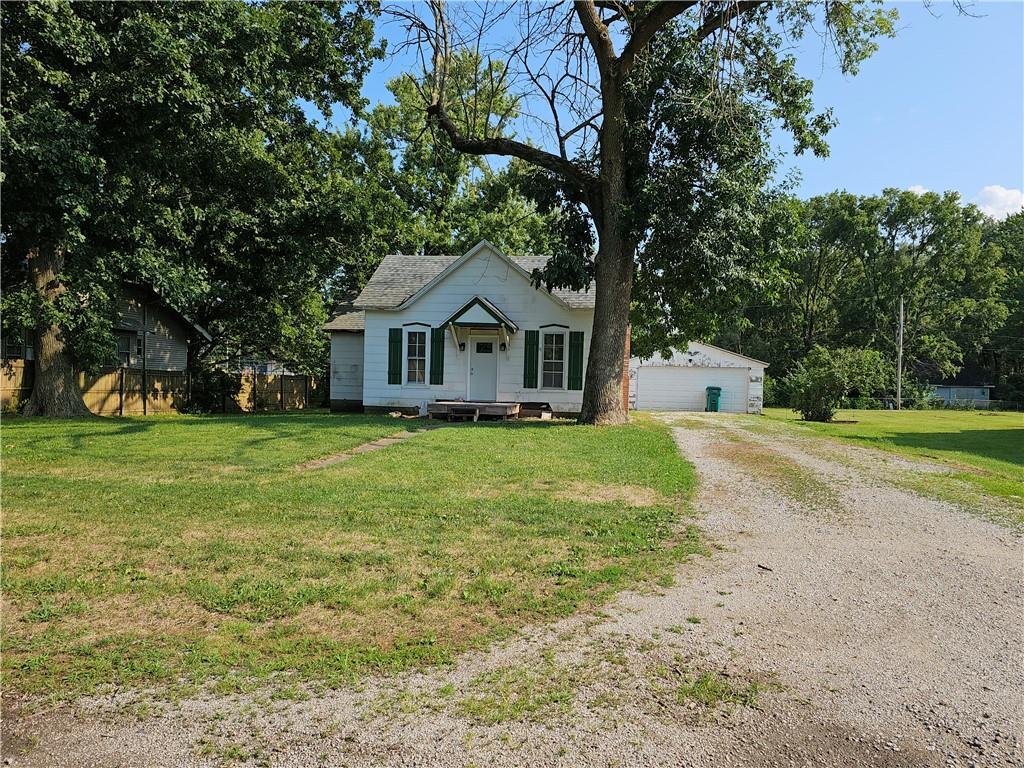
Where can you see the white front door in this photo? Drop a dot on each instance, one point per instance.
(483, 368)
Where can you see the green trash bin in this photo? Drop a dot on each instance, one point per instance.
(714, 394)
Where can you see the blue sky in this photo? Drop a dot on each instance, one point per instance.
(940, 107)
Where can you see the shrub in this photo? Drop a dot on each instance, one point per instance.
(211, 387)
(774, 393)
(918, 395)
(819, 382)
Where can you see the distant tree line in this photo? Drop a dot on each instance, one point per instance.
(846, 260)
(191, 147)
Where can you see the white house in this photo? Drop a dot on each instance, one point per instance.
(680, 383)
(469, 327)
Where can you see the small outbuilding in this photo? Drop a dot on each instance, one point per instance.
(680, 382)
(958, 394)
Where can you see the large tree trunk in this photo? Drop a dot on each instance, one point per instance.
(613, 272)
(602, 392)
(55, 390)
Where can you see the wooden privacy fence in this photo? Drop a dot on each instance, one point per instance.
(277, 392)
(119, 391)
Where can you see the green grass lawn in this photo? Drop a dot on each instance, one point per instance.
(180, 550)
(985, 448)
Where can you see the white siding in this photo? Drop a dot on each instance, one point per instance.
(691, 369)
(956, 394)
(672, 388)
(755, 395)
(346, 366)
(487, 275)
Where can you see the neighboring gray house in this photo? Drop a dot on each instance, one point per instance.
(166, 343)
(346, 328)
(977, 395)
(169, 331)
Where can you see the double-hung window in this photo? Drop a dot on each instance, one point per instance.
(416, 357)
(125, 342)
(14, 345)
(553, 361)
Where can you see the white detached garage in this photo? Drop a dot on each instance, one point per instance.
(680, 383)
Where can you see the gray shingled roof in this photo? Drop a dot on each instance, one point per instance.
(399, 277)
(346, 318)
(575, 299)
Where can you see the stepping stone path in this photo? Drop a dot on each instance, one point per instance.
(375, 445)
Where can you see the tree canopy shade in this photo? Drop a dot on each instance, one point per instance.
(164, 143)
(657, 121)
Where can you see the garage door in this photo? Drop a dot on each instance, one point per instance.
(675, 388)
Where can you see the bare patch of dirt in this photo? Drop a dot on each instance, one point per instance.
(629, 495)
(370, 447)
(347, 626)
(590, 493)
(128, 613)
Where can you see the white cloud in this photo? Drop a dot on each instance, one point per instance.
(999, 202)
(917, 189)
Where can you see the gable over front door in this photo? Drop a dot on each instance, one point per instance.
(483, 368)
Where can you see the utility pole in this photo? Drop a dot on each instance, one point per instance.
(145, 372)
(899, 359)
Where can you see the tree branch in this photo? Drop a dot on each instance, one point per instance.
(660, 15)
(563, 167)
(597, 34)
(722, 18)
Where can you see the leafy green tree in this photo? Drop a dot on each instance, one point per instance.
(818, 383)
(429, 176)
(646, 99)
(927, 248)
(292, 220)
(849, 261)
(820, 263)
(1005, 354)
(134, 136)
(452, 200)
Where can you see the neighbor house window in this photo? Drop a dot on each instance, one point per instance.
(14, 345)
(554, 360)
(124, 348)
(416, 357)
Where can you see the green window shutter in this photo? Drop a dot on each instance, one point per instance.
(437, 355)
(394, 356)
(530, 353)
(576, 360)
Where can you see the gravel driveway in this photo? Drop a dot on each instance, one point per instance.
(840, 620)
